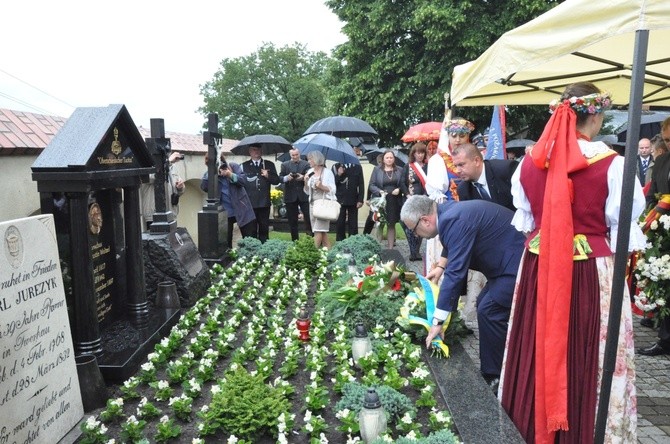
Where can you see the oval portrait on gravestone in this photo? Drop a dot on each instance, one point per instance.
(94, 218)
(13, 243)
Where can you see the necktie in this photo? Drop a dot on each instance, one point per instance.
(645, 165)
(482, 191)
(257, 163)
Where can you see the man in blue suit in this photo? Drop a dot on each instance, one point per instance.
(476, 235)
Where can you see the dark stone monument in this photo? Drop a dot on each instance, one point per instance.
(89, 178)
(212, 220)
(169, 252)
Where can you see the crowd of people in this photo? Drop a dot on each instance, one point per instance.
(529, 241)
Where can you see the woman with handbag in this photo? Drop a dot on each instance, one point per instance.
(320, 187)
(414, 183)
(386, 180)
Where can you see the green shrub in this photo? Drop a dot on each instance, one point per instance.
(274, 250)
(395, 403)
(440, 437)
(303, 255)
(362, 246)
(248, 247)
(245, 407)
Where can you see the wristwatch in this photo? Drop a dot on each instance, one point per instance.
(437, 322)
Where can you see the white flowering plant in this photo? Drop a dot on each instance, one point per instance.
(652, 268)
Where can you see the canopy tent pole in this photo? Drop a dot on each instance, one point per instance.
(625, 211)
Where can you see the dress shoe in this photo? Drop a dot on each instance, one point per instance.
(415, 258)
(654, 350)
(647, 322)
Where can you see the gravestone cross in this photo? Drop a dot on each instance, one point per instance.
(212, 220)
(159, 146)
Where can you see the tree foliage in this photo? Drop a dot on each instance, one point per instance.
(397, 64)
(271, 91)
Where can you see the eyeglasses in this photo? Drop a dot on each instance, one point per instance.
(416, 225)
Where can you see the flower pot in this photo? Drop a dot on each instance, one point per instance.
(92, 385)
(167, 296)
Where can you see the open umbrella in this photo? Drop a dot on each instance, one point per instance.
(400, 157)
(333, 148)
(621, 46)
(518, 143)
(425, 131)
(269, 143)
(650, 125)
(341, 126)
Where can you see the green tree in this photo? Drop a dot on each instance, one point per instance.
(397, 64)
(272, 91)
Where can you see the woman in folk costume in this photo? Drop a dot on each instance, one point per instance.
(440, 185)
(567, 192)
(414, 183)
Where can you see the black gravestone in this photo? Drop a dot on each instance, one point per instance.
(89, 178)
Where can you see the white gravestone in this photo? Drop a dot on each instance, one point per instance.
(40, 399)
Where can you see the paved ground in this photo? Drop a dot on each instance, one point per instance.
(653, 376)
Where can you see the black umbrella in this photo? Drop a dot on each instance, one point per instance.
(518, 143)
(401, 158)
(341, 126)
(269, 143)
(650, 125)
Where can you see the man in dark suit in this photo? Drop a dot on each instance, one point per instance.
(292, 175)
(644, 159)
(483, 179)
(350, 194)
(261, 174)
(660, 183)
(476, 235)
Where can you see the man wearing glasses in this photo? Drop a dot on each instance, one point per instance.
(476, 235)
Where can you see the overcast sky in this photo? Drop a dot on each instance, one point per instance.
(149, 55)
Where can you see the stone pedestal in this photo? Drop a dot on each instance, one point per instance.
(174, 257)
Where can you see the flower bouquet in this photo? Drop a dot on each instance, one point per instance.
(277, 197)
(652, 268)
(418, 309)
(375, 280)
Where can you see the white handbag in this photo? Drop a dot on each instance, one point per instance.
(326, 209)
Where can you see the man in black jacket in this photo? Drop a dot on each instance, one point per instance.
(483, 179)
(261, 174)
(660, 183)
(292, 175)
(350, 194)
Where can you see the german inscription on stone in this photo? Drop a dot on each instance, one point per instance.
(40, 399)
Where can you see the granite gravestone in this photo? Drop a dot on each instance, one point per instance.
(89, 178)
(40, 399)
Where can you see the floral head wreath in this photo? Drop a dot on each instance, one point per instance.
(591, 104)
(460, 126)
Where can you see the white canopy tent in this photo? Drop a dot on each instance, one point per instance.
(623, 46)
(575, 41)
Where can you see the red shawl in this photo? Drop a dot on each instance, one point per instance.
(557, 151)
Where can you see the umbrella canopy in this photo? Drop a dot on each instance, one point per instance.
(650, 125)
(342, 126)
(578, 40)
(270, 144)
(400, 157)
(425, 131)
(333, 148)
(518, 143)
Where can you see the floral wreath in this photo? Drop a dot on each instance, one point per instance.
(460, 126)
(590, 104)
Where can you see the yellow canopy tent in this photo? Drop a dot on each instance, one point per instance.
(575, 41)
